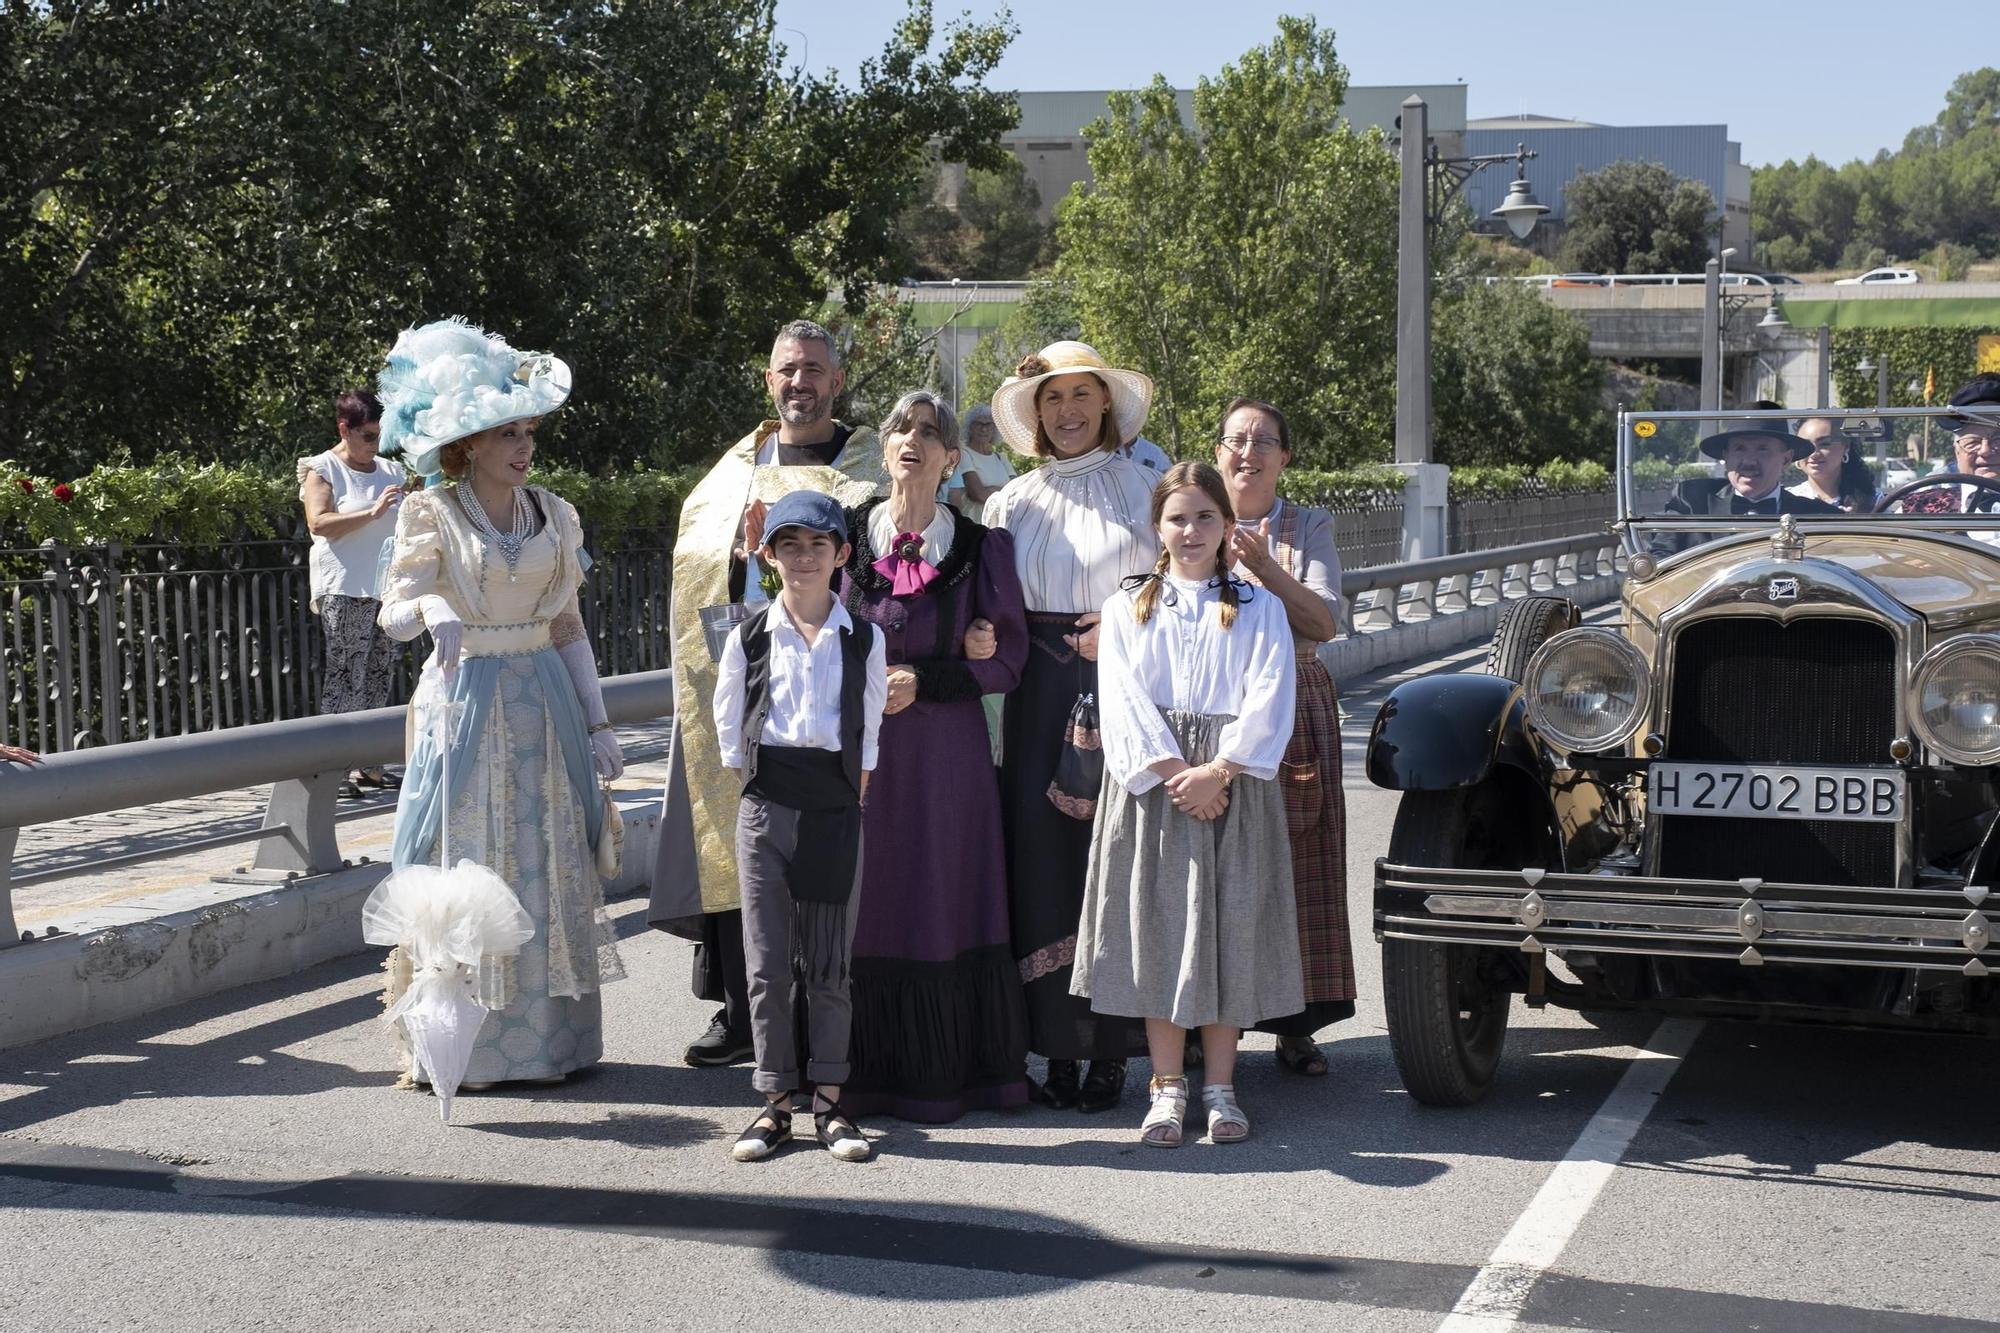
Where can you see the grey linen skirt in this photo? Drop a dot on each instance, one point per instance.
(1191, 921)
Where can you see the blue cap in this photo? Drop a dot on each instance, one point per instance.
(806, 509)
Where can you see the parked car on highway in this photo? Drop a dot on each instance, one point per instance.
(1764, 789)
(1579, 280)
(1890, 276)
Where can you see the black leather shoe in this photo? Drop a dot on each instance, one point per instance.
(720, 1046)
(1060, 1089)
(1102, 1086)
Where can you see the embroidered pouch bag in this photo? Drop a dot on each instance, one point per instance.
(1080, 768)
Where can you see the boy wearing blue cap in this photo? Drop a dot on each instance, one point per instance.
(798, 705)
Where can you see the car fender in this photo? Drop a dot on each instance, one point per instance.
(1450, 731)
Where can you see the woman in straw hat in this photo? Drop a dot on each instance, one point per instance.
(490, 566)
(1080, 523)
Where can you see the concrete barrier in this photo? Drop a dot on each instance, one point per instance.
(199, 941)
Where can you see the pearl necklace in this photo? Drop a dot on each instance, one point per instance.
(509, 542)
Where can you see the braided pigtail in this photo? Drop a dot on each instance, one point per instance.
(1228, 586)
(1149, 595)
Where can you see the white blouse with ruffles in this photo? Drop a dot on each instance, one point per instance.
(1079, 526)
(1183, 659)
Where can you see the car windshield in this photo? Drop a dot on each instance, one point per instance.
(1691, 477)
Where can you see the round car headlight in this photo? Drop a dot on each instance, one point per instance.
(1588, 689)
(1955, 699)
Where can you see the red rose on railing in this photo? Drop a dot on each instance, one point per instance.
(63, 493)
(27, 485)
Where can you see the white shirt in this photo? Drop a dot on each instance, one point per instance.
(1147, 454)
(347, 565)
(990, 468)
(804, 689)
(1183, 659)
(937, 533)
(1079, 525)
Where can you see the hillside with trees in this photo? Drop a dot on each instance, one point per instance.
(1935, 199)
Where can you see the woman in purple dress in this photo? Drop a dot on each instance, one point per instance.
(940, 1027)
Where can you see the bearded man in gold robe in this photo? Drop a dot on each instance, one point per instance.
(694, 892)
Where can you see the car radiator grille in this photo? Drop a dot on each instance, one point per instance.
(1753, 691)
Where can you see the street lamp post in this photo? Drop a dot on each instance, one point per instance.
(1881, 371)
(1430, 181)
(1717, 309)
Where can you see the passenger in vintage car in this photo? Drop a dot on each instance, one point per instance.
(1754, 459)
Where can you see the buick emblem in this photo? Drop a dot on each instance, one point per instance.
(1784, 590)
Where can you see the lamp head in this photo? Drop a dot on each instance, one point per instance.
(1521, 210)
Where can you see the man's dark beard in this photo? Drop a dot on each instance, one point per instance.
(786, 413)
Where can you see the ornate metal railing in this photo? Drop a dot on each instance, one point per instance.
(106, 644)
(1485, 525)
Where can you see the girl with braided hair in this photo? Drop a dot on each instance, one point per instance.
(1189, 918)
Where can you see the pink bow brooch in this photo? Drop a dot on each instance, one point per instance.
(905, 567)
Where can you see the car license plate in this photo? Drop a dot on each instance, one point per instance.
(1757, 791)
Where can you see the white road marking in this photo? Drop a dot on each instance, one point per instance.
(1499, 1293)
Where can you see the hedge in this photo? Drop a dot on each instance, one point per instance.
(177, 499)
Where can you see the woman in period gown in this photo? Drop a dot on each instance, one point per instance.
(1079, 525)
(491, 567)
(939, 1027)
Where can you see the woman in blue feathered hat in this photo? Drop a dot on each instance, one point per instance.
(490, 565)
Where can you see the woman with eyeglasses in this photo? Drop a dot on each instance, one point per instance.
(1288, 550)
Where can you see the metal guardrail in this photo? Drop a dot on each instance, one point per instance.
(1382, 599)
(297, 837)
(1636, 280)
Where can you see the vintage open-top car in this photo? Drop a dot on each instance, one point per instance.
(1763, 787)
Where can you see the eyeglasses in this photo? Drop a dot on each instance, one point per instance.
(1976, 439)
(1242, 444)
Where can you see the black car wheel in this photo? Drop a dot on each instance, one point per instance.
(1447, 1016)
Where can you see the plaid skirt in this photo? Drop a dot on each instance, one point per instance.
(1316, 812)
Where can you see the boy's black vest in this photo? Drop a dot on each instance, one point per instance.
(855, 644)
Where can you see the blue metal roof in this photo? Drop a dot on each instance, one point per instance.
(1699, 152)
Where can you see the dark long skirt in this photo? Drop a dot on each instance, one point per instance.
(1317, 807)
(1049, 853)
(939, 1027)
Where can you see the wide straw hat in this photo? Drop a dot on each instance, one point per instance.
(1014, 402)
(449, 379)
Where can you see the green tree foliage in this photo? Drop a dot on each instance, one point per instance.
(995, 233)
(213, 216)
(1513, 381)
(1941, 188)
(1636, 217)
(1252, 252)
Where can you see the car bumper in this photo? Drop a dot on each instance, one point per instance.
(1751, 922)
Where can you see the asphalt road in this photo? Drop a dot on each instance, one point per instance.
(243, 1163)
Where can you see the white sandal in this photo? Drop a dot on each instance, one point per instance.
(1162, 1126)
(1226, 1121)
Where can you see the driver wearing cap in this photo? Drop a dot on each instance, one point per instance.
(1975, 441)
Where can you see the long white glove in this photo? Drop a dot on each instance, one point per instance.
(609, 756)
(405, 620)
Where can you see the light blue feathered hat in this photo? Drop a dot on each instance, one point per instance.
(450, 379)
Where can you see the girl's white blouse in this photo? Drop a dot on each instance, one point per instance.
(1183, 659)
(1079, 526)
